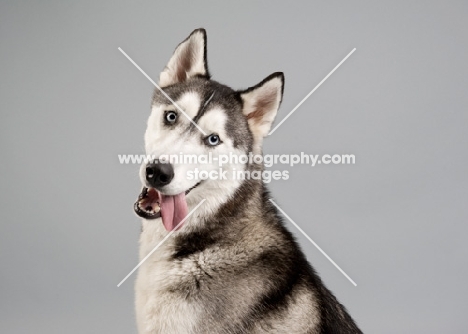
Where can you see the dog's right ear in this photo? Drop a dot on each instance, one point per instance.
(188, 60)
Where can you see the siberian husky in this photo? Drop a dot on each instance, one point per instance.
(231, 266)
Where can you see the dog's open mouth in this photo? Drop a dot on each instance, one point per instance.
(152, 204)
(148, 204)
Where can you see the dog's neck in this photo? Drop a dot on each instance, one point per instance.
(232, 216)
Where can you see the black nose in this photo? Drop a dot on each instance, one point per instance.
(159, 174)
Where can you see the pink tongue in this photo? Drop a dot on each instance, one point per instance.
(173, 210)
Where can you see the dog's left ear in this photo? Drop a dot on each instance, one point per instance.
(261, 103)
(188, 60)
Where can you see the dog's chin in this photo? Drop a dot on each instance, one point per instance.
(148, 203)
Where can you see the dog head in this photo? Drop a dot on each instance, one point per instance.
(194, 116)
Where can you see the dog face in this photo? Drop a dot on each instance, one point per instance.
(196, 116)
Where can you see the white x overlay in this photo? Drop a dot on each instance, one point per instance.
(271, 132)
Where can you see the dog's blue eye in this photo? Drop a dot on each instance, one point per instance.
(212, 140)
(171, 117)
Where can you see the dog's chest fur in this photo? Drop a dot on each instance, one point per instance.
(158, 309)
(214, 285)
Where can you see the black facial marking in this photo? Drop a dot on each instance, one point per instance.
(203, 108)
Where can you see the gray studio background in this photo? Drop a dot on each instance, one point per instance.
(396, 221)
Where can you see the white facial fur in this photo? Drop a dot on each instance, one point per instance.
(162, 140)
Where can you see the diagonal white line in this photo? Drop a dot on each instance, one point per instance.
(163, 92)
(313, 242)
(311, 92)
(160, 243)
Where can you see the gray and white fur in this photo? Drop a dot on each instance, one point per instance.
(233, 267)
